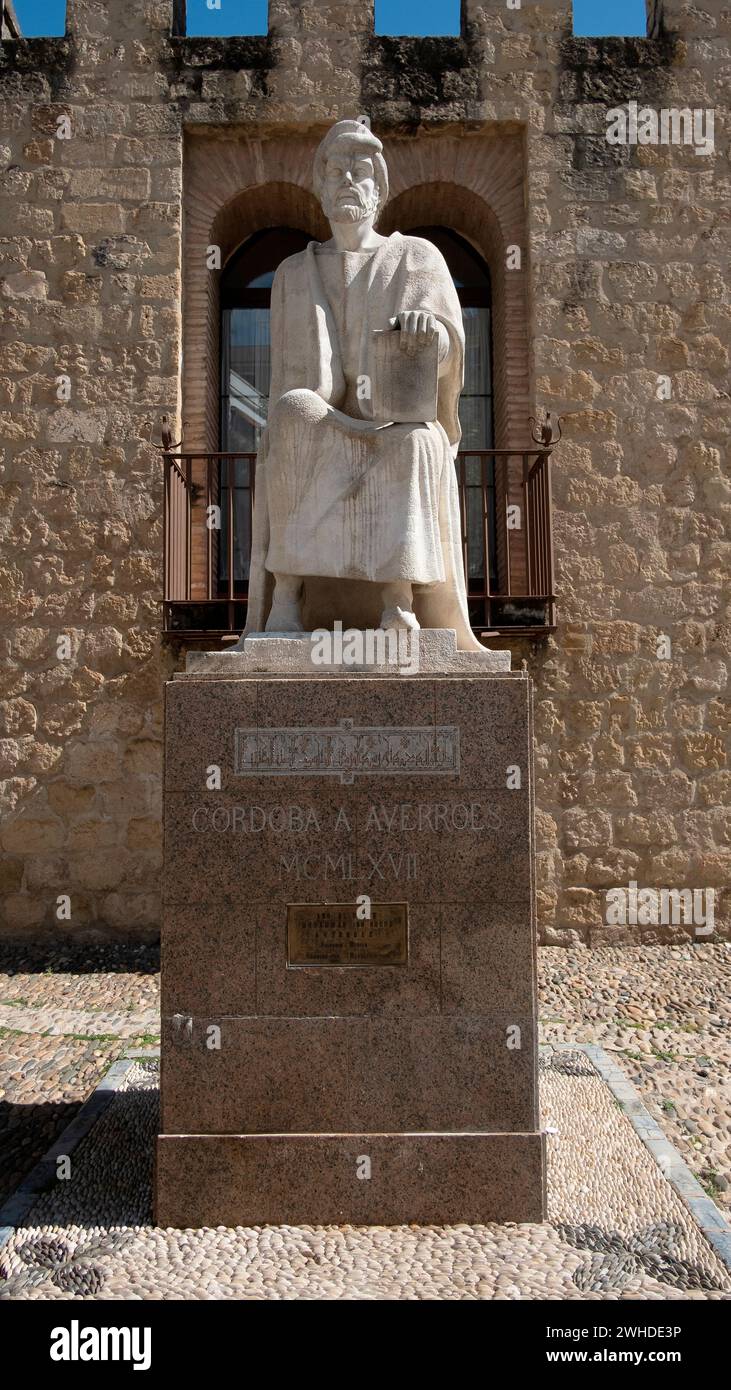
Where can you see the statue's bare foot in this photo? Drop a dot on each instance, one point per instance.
(284, 617)
(402, 619)
(397, 600)
(285, 611)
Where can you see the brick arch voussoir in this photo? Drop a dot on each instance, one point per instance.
(215, 219)
(268, 205)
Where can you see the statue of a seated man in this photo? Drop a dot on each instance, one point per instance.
(357, 518)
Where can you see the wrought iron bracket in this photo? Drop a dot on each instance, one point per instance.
(550, 432)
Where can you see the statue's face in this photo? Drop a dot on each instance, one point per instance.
(349, 188)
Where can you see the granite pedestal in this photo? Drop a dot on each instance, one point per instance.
(326, 1063)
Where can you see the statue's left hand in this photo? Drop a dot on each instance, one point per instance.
(419, 328)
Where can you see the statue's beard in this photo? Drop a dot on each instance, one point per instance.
(356, 211)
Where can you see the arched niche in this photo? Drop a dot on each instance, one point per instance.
(471, 183)
(235, 185)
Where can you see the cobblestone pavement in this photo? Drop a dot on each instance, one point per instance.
(615, 1228)
(663, 1009)
(65, 1014)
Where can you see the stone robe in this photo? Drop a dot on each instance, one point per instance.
(344, 501)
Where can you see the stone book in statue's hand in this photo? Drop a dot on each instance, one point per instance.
(404, 384)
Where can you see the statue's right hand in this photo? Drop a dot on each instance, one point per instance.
(418, 329)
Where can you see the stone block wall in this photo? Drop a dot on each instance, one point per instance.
(626, 278)
(629, 250)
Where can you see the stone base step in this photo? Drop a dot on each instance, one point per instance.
(349, 1179)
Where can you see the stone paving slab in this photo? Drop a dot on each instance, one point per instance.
(616, 1228)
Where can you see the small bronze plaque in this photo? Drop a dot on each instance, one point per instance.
(332, 934)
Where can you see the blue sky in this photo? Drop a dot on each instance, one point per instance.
(392, 16)
(41, 16)
(626, 17)
(234, 17)
(417, 16)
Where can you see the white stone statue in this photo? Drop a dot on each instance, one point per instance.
(357, 512)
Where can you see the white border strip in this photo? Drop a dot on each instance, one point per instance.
(709, 1219)
(40, 1178)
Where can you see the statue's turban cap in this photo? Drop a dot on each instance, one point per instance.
(348, 135)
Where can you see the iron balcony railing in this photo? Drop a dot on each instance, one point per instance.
(507, 540)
